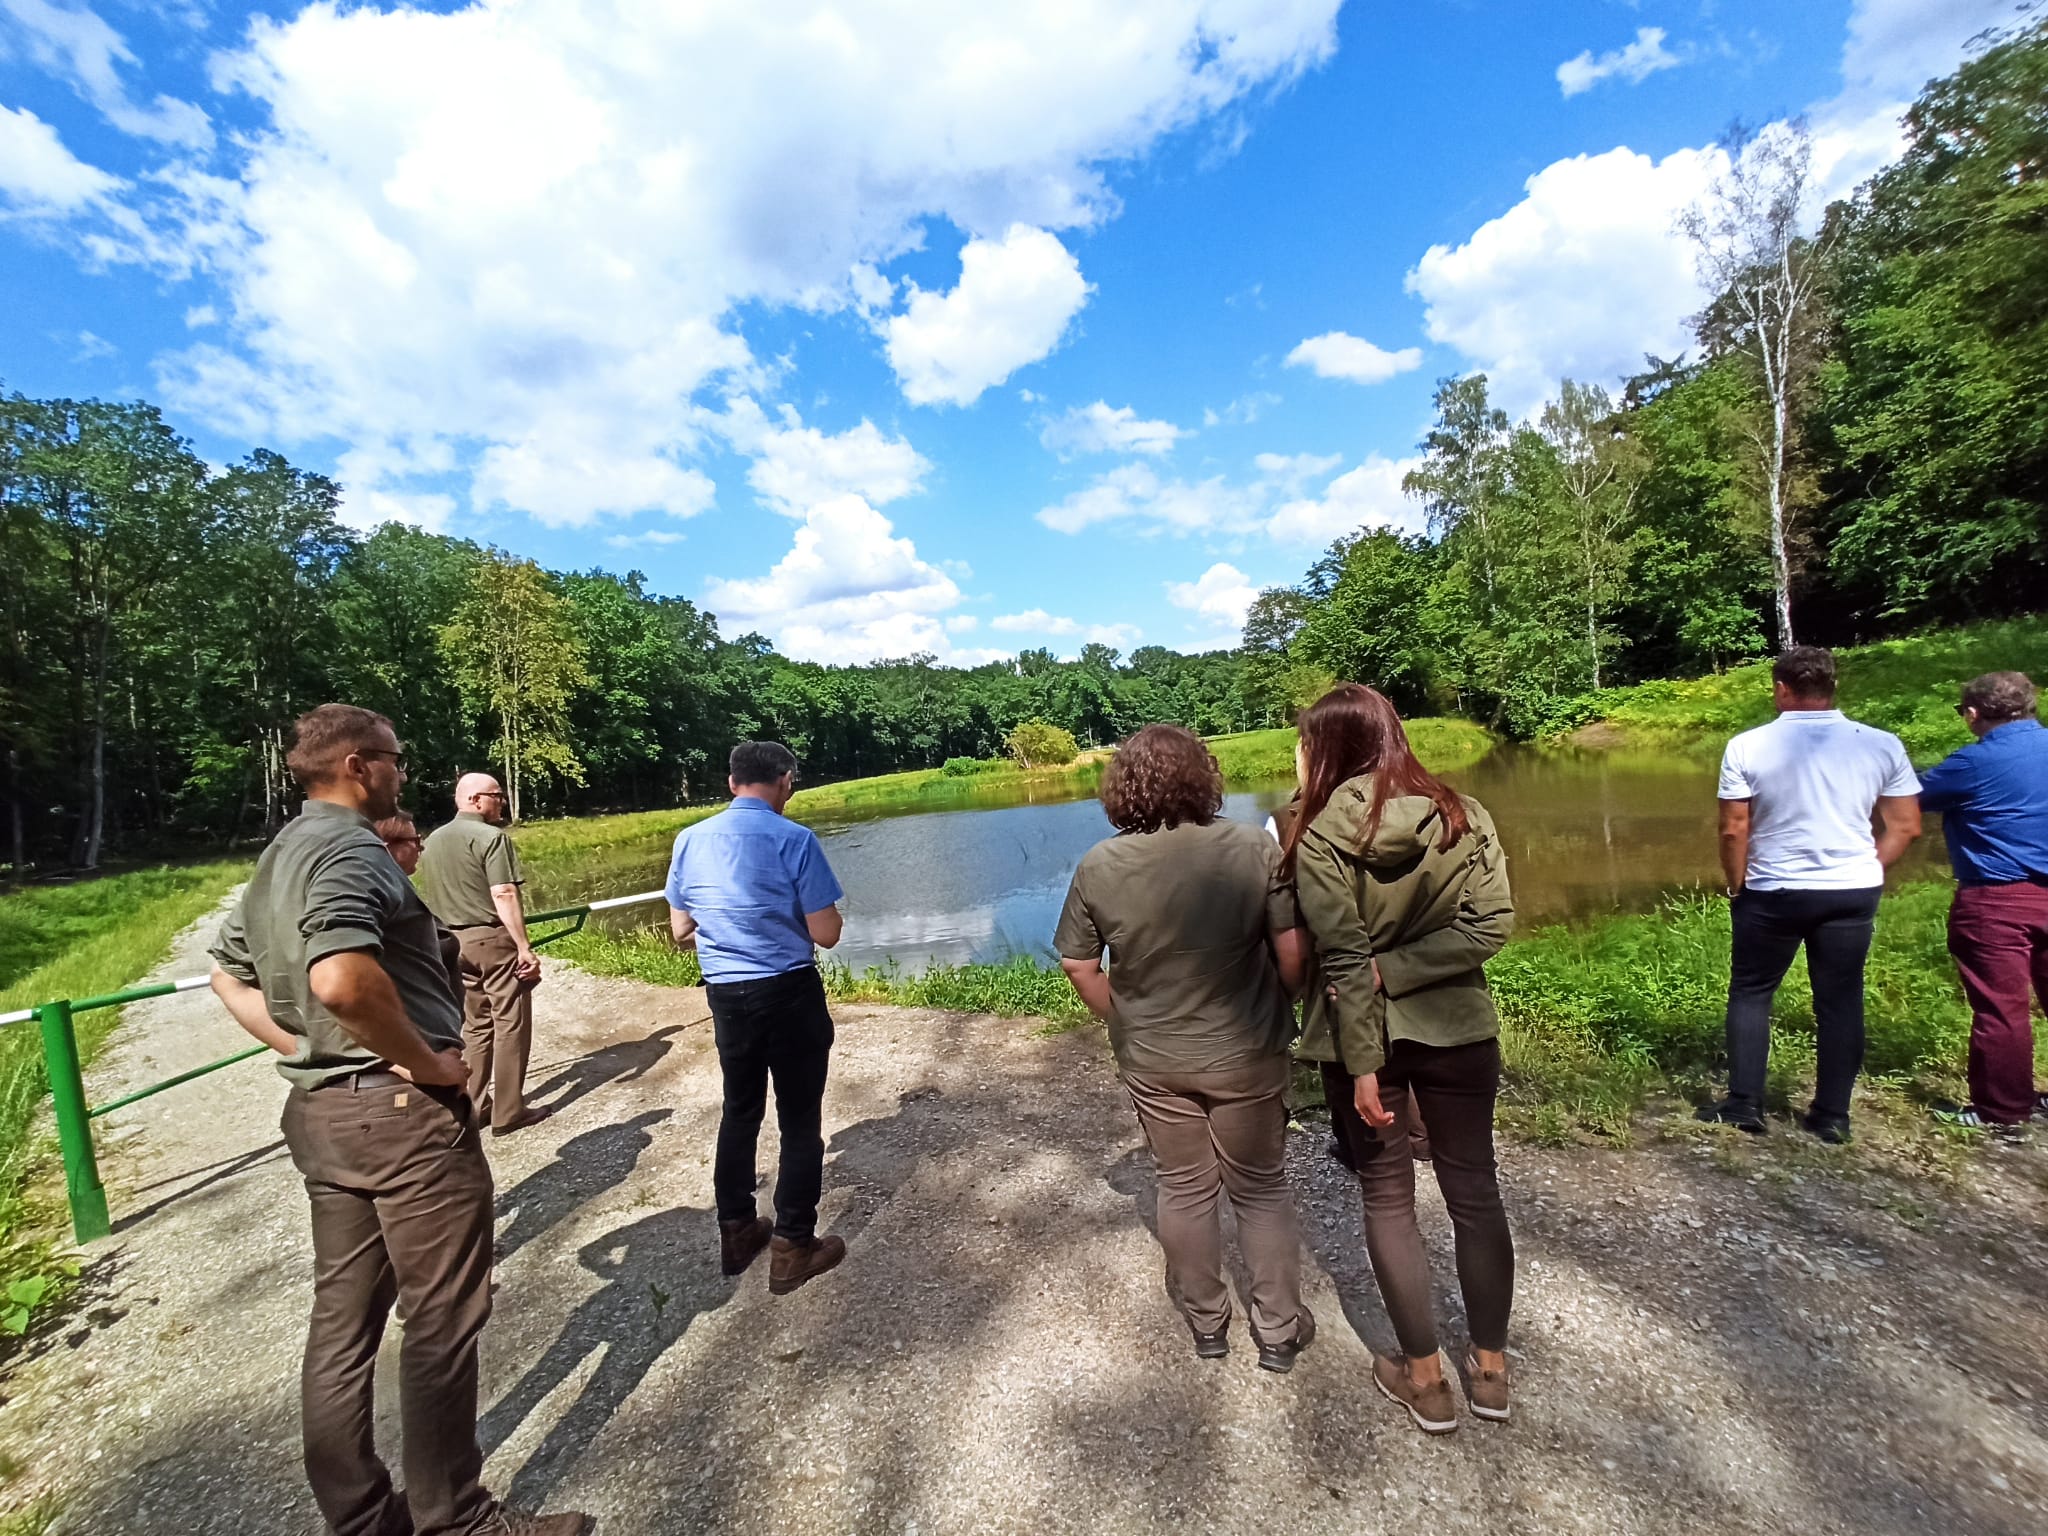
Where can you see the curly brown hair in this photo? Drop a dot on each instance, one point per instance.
(1162, 777)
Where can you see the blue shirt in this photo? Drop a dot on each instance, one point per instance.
(1993, 799)
(748, 875)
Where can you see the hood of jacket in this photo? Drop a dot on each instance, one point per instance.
(1410, 825)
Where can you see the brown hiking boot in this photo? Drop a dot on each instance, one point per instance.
(791, 1264)
(1433, 1409)
(506, 1521)
(1486, 1392)
(741, 1242)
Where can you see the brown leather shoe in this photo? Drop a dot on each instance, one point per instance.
(506, 1521)
(741, 1242)
(521, 1121)
(1486, 1392)
(791, 1264)
(1433, 1409)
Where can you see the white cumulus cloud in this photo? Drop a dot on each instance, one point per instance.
(476, 229)
(1581, 277)
(1036, 621)
(1634, 63)
(1098, 428)
(849, 590)
(1338, 355)
(1221, 594)
(796, 467)
(38, 174)
(75, 44)
(1010, 307)
(1369, 496)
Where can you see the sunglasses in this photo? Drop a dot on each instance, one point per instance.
(397, 758)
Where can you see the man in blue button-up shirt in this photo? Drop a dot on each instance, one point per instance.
(752, 891)
(1993, 799)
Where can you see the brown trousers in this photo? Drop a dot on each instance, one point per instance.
(497, 1021)
(401, 1198)
(1216, 1131)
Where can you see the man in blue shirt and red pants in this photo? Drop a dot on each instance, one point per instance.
(1993, 799)
(751, 889)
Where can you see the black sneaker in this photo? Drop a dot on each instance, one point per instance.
(1212, 1346)
(1739, 1113)
(1832, 1129)
(1280, 1357)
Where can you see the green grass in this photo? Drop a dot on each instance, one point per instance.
(1018, 987)
(81, 940)
(1906, 686)
(1596, 1020)
(1260, 757)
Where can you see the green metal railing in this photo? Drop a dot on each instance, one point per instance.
(82, 1187)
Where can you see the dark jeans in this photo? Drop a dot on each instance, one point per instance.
(401, 1200)
(1769, 927)
(1999, 937)
(778, 1028)
(1454, 1087)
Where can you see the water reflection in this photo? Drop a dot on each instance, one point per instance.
(1585, 833)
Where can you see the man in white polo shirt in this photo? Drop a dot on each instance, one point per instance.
(1804, 865)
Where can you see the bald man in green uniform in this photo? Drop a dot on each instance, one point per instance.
(470, 878)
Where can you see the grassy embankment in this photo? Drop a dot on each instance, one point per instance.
(1022, 986)
(78, 940)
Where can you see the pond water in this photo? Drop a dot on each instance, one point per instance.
(1586, 833)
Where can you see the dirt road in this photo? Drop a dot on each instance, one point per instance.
(1712, 1335)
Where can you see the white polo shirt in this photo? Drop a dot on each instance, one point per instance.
(1812, 777)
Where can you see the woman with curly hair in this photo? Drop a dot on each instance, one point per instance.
(1404, 887)
(1203, 953)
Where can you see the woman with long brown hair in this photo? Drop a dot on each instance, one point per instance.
(1204, 951)
(1404, 888)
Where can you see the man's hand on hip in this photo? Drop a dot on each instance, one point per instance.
(441, 1069)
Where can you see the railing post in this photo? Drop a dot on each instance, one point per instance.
(74, 1125)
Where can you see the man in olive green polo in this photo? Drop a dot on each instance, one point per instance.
(332, 960)
(470, 876)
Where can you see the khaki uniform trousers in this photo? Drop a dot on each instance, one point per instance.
(497, 1021)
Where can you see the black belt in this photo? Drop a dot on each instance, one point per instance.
(368, 1077)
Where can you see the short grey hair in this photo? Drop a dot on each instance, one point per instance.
(2000, 696)
(760, 762)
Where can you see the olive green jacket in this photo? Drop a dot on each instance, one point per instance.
(1429, 917)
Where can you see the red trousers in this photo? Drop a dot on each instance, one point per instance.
(1999, 937)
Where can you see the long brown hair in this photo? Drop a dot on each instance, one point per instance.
(1351, 731)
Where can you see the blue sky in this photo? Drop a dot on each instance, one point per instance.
(889, 326)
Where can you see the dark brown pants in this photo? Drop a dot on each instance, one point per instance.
(497, 1021)
(1455, 1088)
(401, 1199)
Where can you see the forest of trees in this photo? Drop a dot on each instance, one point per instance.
(1858, 445)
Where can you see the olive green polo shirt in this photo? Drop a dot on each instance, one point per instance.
(459, 864)
(327, 885)
(1186, 915)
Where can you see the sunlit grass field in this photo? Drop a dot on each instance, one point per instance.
(1908, 687)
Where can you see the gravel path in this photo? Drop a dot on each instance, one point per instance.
(1711, 1333)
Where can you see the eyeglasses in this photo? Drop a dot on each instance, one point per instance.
(397, 758)
(400, 842)
(488, 794)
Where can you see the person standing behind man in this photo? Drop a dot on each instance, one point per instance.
(402, 836)
(1803, 866)
(331, 959)
(752, 891)
(1993, 800)
(470, 876)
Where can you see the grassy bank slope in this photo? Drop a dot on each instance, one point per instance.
(1595, 1019)
(1906, 686)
